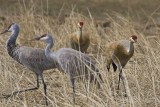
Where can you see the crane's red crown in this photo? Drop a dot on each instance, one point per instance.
(10, 26)
(81, 23)
(134, 37)
(44, 35)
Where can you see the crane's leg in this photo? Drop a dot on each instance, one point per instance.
(100, 78)
(121, 77)
(86, 88)
(114, 67)
(118, 65)
(10, 95)
(108, 67)
(72, 83)
(85, 85)
(95, 78)
(45, 87)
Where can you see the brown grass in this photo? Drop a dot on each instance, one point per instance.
(142, 73)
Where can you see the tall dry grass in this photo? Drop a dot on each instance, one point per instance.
(142, 73)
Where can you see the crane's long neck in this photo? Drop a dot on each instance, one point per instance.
(80, 34)
(48, 52)
(48, 48)
(11, 42)
(13, 37)
(130, 47)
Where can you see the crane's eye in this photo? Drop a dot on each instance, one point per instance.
(44, 35)
(9, 26)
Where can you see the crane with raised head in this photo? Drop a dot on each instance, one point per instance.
(32, 58)
(72, 62)
(80, 40)
(118, 54)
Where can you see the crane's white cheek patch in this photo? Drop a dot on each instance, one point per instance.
(44, 38)
(10, 30)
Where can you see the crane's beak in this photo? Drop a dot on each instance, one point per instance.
(4, 32)
(37, 38)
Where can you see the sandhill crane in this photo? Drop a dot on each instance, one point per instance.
(72, 62)
(32, 58)
(80, 40)
(118, 54)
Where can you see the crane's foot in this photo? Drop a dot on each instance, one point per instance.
(117, 91)
(125, 95)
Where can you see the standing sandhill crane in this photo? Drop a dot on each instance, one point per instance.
(80, 40)
(118, 53)
(32, 58)
(72, 62)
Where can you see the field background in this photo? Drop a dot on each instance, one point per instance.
(105, 21)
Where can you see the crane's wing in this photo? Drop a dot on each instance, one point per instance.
(33, 58)
(71, 61)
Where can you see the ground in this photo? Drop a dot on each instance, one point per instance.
(106, 21)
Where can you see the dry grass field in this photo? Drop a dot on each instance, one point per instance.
(105, 21)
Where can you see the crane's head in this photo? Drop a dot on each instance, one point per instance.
(133, 38)
(80, 25)
(11, 28)
(45, 37)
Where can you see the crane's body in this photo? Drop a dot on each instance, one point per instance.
(32, 58)
(72, 62)
(80, 40)
(122, 49)
(118, 54)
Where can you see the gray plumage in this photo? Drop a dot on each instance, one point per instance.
(32, 58)
(72, 62)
